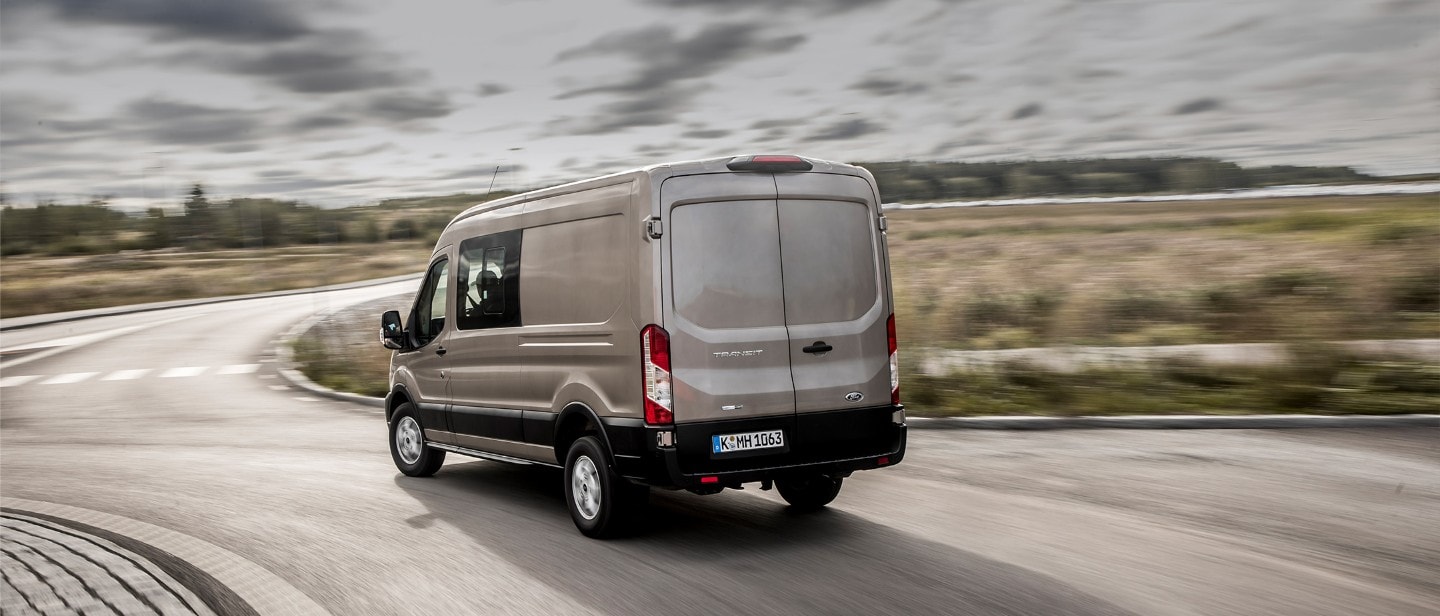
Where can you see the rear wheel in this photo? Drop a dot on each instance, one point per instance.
(407, 445)
(808, 492)
(601, 503)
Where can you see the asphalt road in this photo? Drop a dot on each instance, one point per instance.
(180, 421)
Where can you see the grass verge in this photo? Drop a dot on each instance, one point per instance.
(1139, 274)
(1318, 378)
(342, 351)
(41, 285)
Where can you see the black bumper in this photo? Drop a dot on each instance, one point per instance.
(833, 443)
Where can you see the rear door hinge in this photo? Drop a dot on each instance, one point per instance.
(883, 224)
(654, 228)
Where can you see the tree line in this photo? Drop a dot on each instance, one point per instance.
(938, 181)
(96, 228)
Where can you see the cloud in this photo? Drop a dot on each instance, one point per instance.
(25, 115)
(657, 150)
(318, 122)
(705, 133)
(484, 171)
(881, 86)
(1199, 105)
(652, 94)
(778, 123)
(265, 39)
(168, 122)
(355, 153)
(1098, 73)
(656, 108)
(1026, 111)
(665, 58)
(490, 89)
(845, 129)
(399, 107)
(324, 64)
(817, 6)
(237, 21)
(33, 125)
(300, 184)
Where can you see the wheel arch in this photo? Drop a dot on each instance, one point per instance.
(576, 420)
(397, 397)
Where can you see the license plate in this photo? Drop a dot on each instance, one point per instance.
(729, 443)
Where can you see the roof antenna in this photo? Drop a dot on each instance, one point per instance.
(492, 181)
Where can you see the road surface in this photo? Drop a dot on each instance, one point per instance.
(179, 420)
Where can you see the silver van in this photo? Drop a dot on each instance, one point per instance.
(695, 325)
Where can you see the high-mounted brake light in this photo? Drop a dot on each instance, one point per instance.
(769, 162)
(894, 361)
(655, 363)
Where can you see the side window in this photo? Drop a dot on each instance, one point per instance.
(489, 282)
(430, 305)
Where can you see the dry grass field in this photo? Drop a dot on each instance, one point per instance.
(1168, 273)
(38, 285)
(1300, 271)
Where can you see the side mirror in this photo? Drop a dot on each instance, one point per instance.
(392, 335)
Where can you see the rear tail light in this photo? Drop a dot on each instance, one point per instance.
(655, 363)
(769, 162)
(894, 361)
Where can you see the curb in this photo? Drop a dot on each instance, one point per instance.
(226, 582)
(1174, 422)
(15, 323)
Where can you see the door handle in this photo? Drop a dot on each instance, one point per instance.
(818, 347)
(440, 351)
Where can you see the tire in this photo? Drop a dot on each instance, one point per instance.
(601, 503)
(407, 444)
(808, 492)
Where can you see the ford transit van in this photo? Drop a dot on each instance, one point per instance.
(696, 325)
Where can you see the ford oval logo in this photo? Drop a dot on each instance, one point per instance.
(854, 396)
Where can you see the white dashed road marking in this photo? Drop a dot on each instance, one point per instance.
(73, 377)
(132, 374)
(11, 381)
(306, 399)
(239, 369)
(278, 387)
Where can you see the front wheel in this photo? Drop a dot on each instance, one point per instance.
(407, 445)
(602, 503)
(809, 492)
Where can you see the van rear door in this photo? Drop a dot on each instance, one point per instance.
(777, 300)
(730, 352)
(835, 291)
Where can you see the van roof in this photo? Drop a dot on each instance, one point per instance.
(685, 167)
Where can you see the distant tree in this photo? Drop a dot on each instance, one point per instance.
(199, 219)
(403, 229)
(157, 229)
(369, 231)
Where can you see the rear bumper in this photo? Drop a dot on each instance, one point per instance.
(831, 443)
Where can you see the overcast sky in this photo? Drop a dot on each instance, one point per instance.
(344, 102)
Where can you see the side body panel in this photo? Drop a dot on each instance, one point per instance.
(576, 338)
